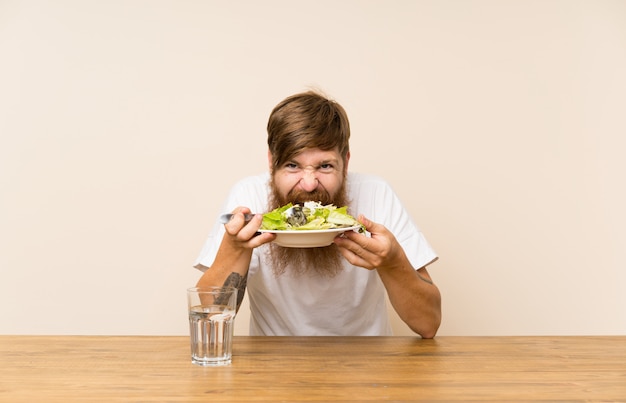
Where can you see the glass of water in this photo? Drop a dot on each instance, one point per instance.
(211, 324)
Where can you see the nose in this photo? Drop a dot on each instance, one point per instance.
(309, 181)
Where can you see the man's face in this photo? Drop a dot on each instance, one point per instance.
(313, 175)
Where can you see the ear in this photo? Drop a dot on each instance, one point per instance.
(269, 159)
(346, 161)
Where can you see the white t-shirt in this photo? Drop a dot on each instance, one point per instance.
(352, 302)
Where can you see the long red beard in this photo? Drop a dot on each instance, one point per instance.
(325, 261)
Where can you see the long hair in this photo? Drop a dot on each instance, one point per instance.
(304, 121)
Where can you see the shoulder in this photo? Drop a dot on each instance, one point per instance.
(360, 182)
(253, 183)
(370, 195)
(358, 178)
(254, 180)
(251, 191)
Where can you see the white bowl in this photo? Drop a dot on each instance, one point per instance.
(307, 238)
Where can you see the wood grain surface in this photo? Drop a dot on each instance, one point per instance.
(158, 369)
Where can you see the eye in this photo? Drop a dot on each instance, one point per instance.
(291, 167)
(326, 167)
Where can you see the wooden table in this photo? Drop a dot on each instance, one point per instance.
(150, 369)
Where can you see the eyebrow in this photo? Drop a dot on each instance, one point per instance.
(322, 162)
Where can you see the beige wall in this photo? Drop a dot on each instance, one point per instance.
(500, 124)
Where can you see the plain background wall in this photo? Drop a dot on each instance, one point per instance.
(500, 124)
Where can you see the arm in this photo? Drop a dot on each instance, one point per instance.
(412, 292)
(230, 267)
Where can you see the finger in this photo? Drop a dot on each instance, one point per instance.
(249, 229)
(355, 259)
(260, 239)
(371, 226)
(357, 247)
(358, 242)
(242, 214)
(244, 230)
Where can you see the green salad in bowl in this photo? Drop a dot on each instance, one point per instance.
(310, 216)
(311, 225)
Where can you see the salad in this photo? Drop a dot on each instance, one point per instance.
(318, 217)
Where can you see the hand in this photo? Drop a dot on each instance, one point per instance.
(245, 234)
(380, 251)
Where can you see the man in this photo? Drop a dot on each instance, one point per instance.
(334, 290)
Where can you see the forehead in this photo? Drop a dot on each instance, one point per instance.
(315, 156)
